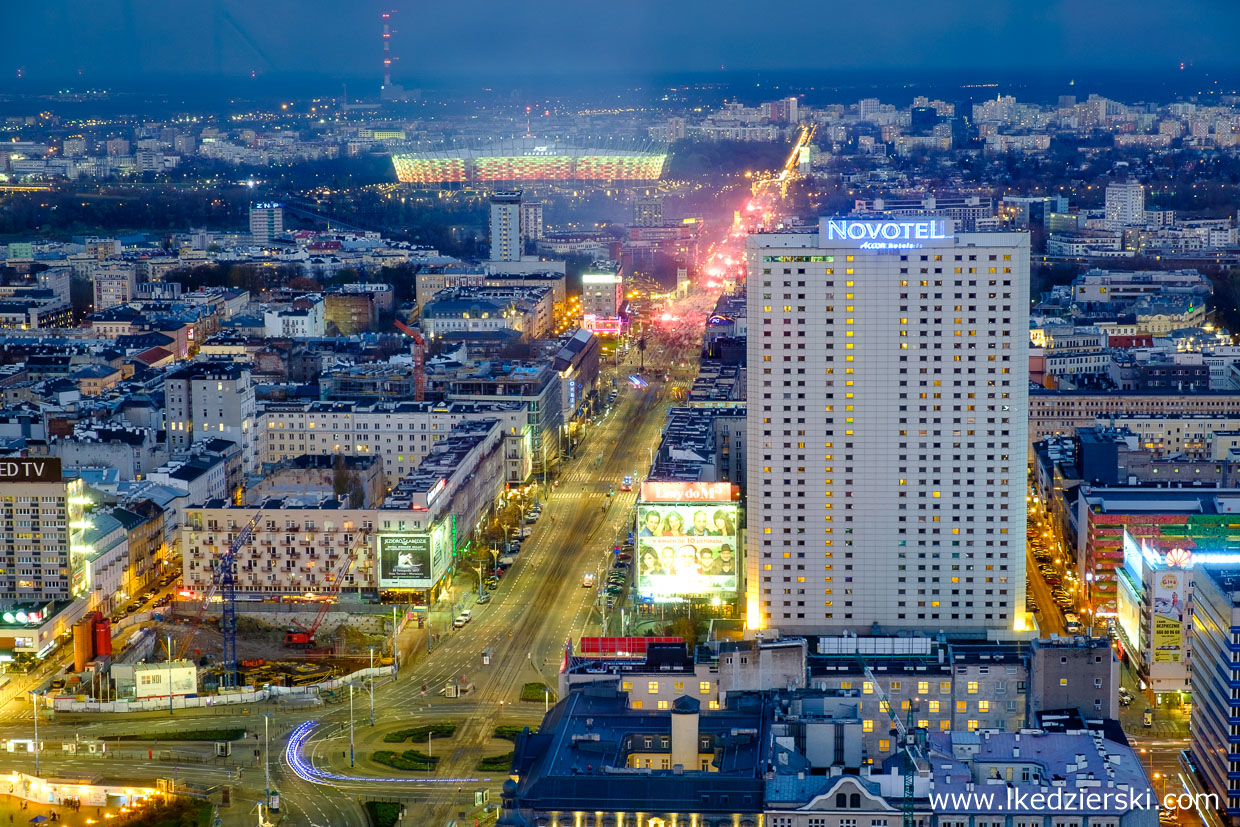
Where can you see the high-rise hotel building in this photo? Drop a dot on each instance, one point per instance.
(887, 393)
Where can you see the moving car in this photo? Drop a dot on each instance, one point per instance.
(484, 598)
(587, 580)
(626, 484)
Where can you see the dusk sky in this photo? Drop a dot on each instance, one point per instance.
(485, 40)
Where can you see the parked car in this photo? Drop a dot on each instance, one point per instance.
(484, 598)
(1125, 696)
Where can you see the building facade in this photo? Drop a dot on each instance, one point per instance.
(266, 221)
(211, 400)
(506, 226)
(1213, 735)
(887, 385)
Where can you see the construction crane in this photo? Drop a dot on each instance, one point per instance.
(909, 747)
(305, 637)
(223, 579)
(419, 359)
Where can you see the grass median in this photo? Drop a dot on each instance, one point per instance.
(536, 692)
(410, 759)
(421, 733)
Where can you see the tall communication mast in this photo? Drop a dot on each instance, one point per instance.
(387, 50)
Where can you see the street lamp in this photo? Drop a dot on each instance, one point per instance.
(266, 752)
(34, 700)
(350, 725)
(480, 570)
(371, 678)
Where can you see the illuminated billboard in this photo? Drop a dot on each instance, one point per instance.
(1169, 597)
(687, 549)
(415, 560)
(655, 491)
(602, 325)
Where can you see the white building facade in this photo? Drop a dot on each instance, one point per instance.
(1125, 205)
(506, 226)
(886, 430)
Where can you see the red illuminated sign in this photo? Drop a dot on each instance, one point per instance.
(686, 492)
(621, 646)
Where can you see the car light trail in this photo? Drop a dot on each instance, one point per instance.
(308, 772)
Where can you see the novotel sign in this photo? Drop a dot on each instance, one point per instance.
(904, 234)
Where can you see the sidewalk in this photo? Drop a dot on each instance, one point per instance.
(11, 812)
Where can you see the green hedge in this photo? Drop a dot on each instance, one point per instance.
(442, 730)
(508, 732)
(535, 691)
(410, 759)
(183, 735)
(383, 813)
(495, 763)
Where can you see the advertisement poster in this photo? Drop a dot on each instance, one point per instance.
(687, 550)
(405, 561)
(1168, 638)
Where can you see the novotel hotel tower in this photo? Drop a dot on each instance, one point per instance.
(887, 393)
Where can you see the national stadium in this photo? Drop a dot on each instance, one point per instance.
(531, 160)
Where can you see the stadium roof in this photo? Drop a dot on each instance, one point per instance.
(533, 159)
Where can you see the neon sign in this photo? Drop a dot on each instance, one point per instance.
(888, 235)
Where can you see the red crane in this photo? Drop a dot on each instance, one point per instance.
(419, 359)
(305, 637)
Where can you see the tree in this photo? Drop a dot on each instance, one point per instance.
(685, 627)
(340, 476)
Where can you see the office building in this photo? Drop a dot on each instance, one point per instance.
(266, 221)
(1186, 524)
(1125, 205)
(1059, 413)
(1213, 738)
(887, 390)
(41, 512)
(506, 226)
